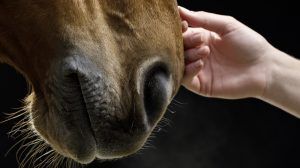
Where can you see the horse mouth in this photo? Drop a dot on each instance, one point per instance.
(89, 117)
(91, 125)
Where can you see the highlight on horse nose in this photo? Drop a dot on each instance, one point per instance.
(156, 86)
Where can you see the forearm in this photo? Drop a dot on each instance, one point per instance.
(283, 88)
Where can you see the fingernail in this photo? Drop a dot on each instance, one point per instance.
(185, 25)
(184, 9)
(203, 50)
(200, 63)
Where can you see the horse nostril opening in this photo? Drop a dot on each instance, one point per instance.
(72, 78)
(155, 91)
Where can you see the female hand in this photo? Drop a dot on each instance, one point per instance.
(224, 58)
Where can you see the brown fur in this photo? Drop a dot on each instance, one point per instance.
(116, 35)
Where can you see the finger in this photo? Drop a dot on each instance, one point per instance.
(195, 54)
(213, 22)
(194, 85)
(185, 26)
(192, 69)
(194, 37)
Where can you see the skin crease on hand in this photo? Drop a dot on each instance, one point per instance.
(226, 59)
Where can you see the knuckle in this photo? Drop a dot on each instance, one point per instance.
(201, 12)
(230, 19)
(231, 23)
(198, 36)
(198, 53)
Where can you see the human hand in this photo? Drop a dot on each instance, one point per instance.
(224, 58)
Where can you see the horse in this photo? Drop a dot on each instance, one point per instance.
(102, 72)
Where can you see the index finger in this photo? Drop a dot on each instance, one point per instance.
(217, 23)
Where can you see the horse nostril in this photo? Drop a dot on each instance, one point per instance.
(155, 91)
(72, 79)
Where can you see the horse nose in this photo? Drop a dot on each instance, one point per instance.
(156, 88)
(154, 85)
(118, 121)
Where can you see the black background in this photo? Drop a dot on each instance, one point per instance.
(206, 133)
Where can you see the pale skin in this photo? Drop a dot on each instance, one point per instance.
(226, 59)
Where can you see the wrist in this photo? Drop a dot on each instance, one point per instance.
(282, 80)
(271, 65)
(275, 65)
(261, 75)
